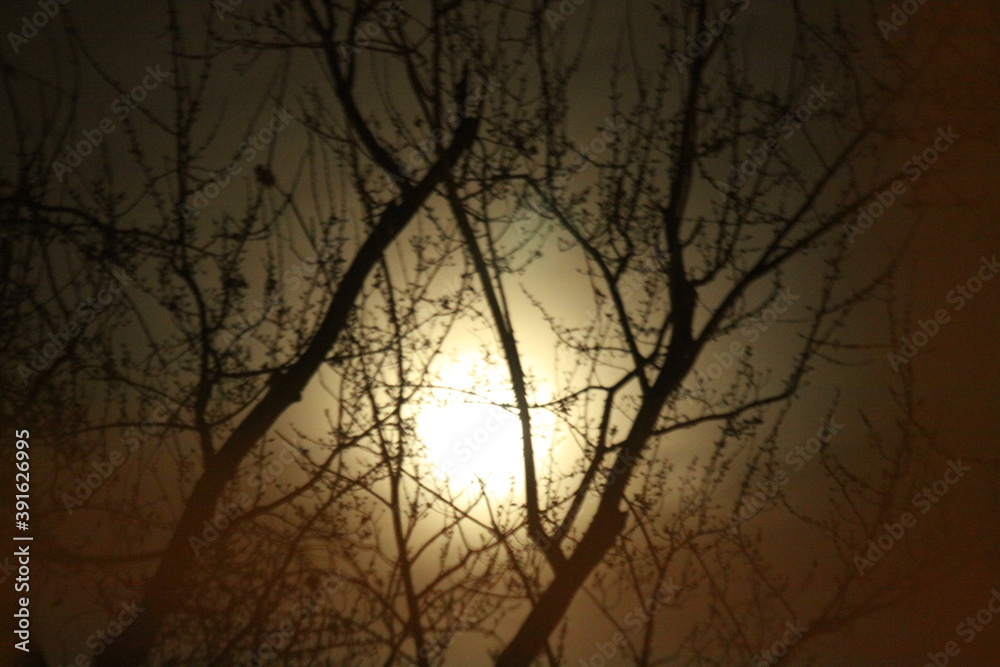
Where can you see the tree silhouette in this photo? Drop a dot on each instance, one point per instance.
(392, 190)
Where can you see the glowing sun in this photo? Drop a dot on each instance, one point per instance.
(467, 435)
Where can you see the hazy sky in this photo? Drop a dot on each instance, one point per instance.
(956, 203)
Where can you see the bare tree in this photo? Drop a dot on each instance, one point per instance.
(230, 396)
(294, 297)
(672, 276)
